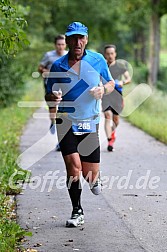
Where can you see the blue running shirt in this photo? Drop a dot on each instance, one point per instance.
(76, 99)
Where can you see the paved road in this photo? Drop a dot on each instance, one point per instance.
(129, 216)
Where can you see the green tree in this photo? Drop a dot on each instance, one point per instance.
(158, 9)
(163, 32)
(12, 36)
(136, 15)
(12, 40)
(143, 18)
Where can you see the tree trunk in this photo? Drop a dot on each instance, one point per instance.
(139, 41)
(154, 44)
(143, 47)
(135, 48)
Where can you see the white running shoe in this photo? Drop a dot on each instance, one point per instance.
(76, 220)
(96, 188)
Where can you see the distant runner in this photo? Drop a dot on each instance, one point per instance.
(45, 66)
(112, 104)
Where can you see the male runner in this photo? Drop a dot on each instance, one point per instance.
(75, 85)
(112, 104)
(45, 66)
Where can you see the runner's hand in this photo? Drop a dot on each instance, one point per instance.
(53, 99)
(118, 83)
(97, 92)
(57, 96)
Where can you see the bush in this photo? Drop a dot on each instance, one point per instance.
(16, 71)
(31, 57)
(140, 74)
(11, 81)
(162, 79)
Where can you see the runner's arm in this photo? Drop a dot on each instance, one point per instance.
(42, 68)
(127, 79)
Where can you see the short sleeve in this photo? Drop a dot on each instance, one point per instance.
(122, 66)
(45, 59)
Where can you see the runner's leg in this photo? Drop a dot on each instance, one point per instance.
(73, 167)
(107, 124)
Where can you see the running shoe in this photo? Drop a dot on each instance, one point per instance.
(96, 188)
(111, 141)
(52, 128)
(57, 147)
(110, 147)
(77, 218)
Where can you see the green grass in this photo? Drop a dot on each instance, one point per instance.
(151, 116)
(13, 120)
(163, 58)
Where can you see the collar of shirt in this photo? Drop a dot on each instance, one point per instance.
(64, 64)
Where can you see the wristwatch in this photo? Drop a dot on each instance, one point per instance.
(105, 90)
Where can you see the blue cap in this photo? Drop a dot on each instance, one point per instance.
(76, 28)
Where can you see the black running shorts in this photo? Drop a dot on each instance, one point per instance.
(113, 102)
(87, 145)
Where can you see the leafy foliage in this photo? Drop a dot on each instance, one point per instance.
(11, 82)
(12, 36)
(10, 232)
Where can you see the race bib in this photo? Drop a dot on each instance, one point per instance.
(84, 126)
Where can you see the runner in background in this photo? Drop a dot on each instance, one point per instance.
(45, 66)
(112, 104)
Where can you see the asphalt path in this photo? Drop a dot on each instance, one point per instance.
(130, 215)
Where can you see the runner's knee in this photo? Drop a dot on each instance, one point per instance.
(73, 172)
(116, 120)
(108, 115)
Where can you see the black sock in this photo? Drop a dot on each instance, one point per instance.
(74, 189)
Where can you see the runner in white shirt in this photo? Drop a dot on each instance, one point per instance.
(45, 66)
